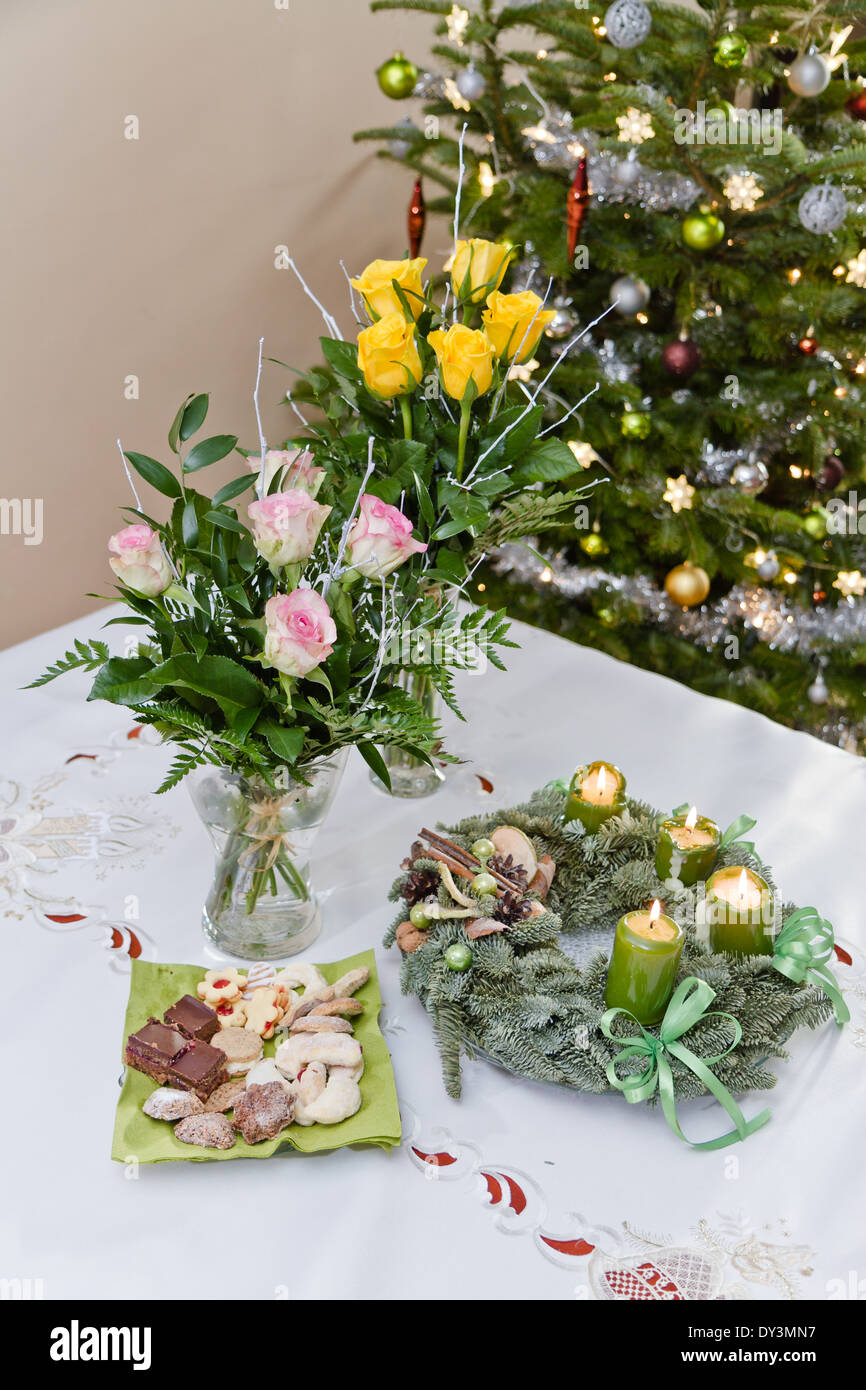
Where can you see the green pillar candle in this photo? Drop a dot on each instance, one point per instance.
(687, 848)
(597, 792)
(739, 911)
(643, 966)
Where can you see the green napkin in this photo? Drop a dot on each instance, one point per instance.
(154, 988)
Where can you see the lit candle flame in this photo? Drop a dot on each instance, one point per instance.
(602, 780)
(655, 912)
(691, 818)
(742, 885)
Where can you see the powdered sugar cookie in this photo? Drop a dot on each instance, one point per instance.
(262, 1072)
(167, 1104)
(208, 1131)
(242, 1047)
(219, 986)
(334, 1049)
(262, 1111)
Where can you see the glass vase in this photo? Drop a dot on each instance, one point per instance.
(410, 776)
(261, 904)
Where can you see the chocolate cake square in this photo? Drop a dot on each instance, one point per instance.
(200, 1068)
(193, 1018)
(154, 1048)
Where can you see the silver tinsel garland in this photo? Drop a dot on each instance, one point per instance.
(782, 626)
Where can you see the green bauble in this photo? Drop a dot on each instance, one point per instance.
(731, 50)
(702, 230)
(483, 884)
(607, 616)
(458, 956)
(397, 77)
(483, 850)
(635, 424)
(593, 544)
(418, 917)
(816, 524)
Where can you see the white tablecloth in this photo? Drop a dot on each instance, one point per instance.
(534, 1192)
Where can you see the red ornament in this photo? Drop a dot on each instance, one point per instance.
(577, 205)
(417, 218)
(831, 474)
(856, 105)
(808, 346)
(681, 358)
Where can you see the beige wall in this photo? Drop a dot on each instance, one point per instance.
(155, 257)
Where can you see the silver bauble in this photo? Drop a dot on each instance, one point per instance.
(471, 84)
(627, 23)
(809, 75)
(633, 295)
(400, 146)
(626, 172)
(769, 567)
(818, 692)
(822, 209)
(564, 319)
(750, 477)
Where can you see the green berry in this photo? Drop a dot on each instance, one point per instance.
(483, 884)
(418, 917)
(483, 850)
(458, 956)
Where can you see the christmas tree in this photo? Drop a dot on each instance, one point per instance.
(686, 185)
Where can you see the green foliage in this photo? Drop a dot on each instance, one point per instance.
(527, 1005)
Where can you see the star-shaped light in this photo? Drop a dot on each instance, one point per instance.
(635, 126)
(454, 95)
(742, 192)
(522, 371)
(679, 493)
(857, 270)
(456, 22)
(849, 583)
(584, 453)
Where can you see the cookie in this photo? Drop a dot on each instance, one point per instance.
(264, 1071)
(224, 1097)
(320, 1023)
(168, 1104)
(352, 981)
(348, 1008)
(219, 986)
(261, 975)
(231, 1014)
(208, 1131)
(263, 1012)
(334, 1049)
(263, 1111)
(242, 1047)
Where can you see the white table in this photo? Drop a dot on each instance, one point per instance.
(521, 1165)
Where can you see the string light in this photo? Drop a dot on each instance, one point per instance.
(678, 494)
(583, 453)
(857, 270)
(454, 95)
(795, 275)
(850, 583)
(742, 192)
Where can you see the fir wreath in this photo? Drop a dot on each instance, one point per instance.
(527, 1005)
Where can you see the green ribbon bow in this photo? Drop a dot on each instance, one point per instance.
(735, 831)
(559, 784)
(801, 951)
(687, 1007)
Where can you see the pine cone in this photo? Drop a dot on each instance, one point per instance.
(511, 908)
(418, 885)
(515, 873)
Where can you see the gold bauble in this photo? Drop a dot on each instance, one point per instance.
(687, 584)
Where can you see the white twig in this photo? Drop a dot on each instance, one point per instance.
(304, 421)
(330, 322)
(573, 411)
(355, 314)
(461, 172)
(263, 444)
(516, 357)
(126, 470)
(336, 569)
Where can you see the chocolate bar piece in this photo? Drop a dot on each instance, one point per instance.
(200, 1068)
(193, 1018)
(153, 1049)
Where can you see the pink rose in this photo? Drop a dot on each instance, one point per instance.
(381, 538)
(296, 466)
(286, 526)
(138, 560)
(300, 631)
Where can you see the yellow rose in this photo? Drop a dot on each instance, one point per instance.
(375, 287)
(463, 354)
(478, 268)
(388, 356)
(507, 320)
